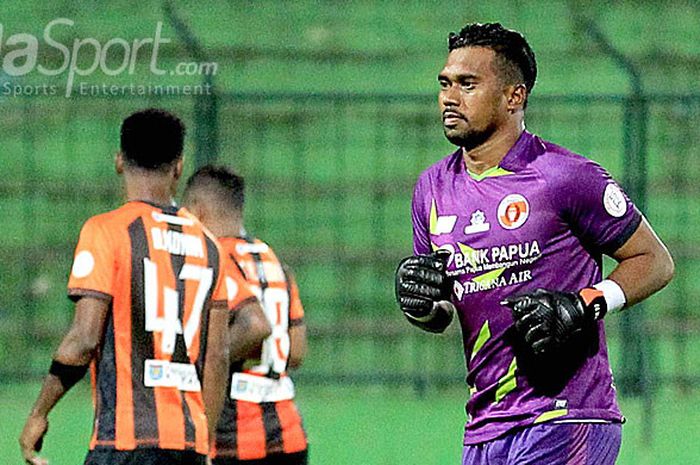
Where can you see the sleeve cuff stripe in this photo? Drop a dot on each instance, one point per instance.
(243, 303)
(76, 293)
(611, 247)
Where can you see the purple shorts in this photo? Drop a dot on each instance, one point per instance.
(550, 444)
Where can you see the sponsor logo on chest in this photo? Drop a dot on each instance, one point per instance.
(493, 256)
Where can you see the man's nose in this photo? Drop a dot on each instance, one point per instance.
(450, 96)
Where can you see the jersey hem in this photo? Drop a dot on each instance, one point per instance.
(146, 444)
(230, 454)
(478, 437)
(77, 293)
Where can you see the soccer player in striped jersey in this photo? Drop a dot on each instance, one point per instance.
(153, 294)
(260, 423)
(509, 232)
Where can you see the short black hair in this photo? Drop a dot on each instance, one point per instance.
(518, 62)
(152, 138)
(228, 186)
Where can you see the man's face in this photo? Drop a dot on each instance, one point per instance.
(472, 98)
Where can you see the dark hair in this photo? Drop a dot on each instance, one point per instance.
(518, 62)
(226, 185)
(152, 138)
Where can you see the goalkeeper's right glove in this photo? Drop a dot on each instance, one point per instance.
(423, 292)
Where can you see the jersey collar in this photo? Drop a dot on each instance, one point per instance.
(526, 148)
(171, 209)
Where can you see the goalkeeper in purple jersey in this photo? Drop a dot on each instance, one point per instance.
(509, 233)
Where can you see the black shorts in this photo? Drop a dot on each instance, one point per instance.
(297, 458)
(104, 456)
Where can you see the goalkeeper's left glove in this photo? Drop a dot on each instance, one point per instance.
(546, 320)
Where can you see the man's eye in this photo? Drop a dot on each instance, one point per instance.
(468, 85)
(444, 84)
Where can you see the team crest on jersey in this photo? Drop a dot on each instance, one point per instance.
(477, 223)
(513, 211)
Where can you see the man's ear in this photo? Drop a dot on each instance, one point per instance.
(196, 208)
(201, 213)
(516, 97)
(119, 163)
(179, 167)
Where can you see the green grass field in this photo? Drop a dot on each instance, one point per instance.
(353, 425)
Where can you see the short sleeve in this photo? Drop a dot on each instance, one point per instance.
(597, 209)
(296, 309)
(235, 290)
(93, 270)
(420, 220)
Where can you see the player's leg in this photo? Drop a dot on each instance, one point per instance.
(567, 444)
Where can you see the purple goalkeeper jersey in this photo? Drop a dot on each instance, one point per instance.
(541, 219)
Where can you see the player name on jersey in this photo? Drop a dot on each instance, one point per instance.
(177, 243)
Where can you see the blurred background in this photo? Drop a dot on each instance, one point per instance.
(329, 110)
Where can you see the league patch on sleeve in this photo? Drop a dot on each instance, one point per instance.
(83, 264)
(614, 201)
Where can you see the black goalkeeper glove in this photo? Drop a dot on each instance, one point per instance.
(546, 320)
(421, 282)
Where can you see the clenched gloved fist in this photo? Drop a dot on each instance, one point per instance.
(421, 283)
(546, 320)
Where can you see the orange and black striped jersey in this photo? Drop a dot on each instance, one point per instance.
(260, 417)
(160, 269)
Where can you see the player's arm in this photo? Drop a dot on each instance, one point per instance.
(248, 328)
(297, 344)
(297, 324)
(70, 363)
(421, 286)
(601, 214)
(546, 319)
(216, 363)
(644, 265)
(422, 291)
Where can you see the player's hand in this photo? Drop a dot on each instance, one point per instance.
(32, 439)
(546, 320)
(421, 281)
